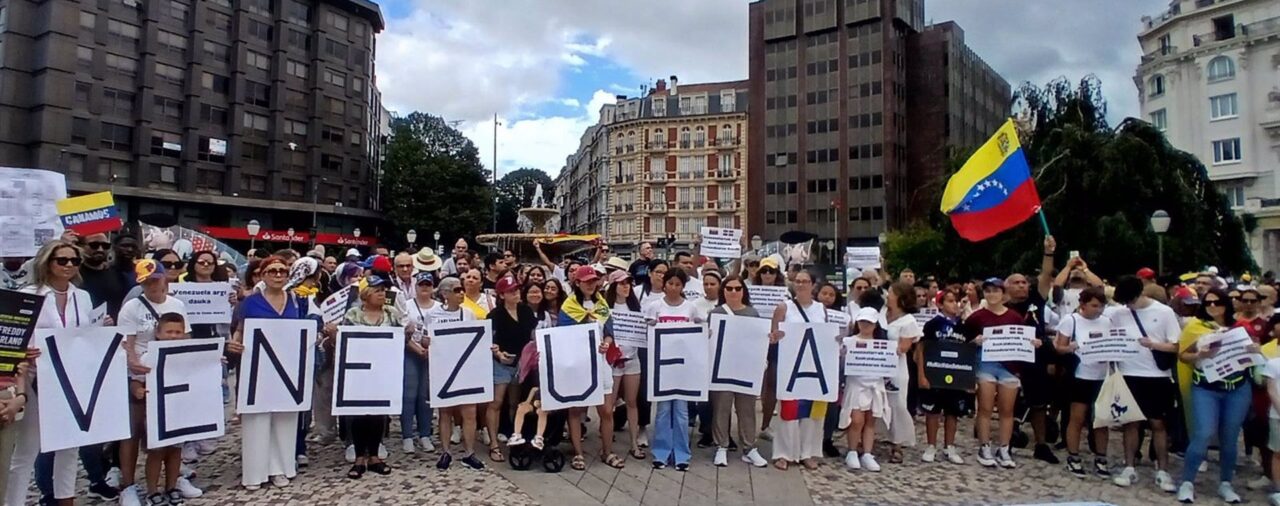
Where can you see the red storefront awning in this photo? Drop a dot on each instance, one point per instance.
(241, 234)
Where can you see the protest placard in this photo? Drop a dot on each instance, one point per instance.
(766, 298)
(1008, 343)
(677, 362)
(629, 328)
(83, 384)
(276, 366)
(1100, 342)
(862, 258)
(571, 368)
(924, 315)
(18, 314)
(336, 305)
(721, 242)
(184, 391)
(950, 365)
(368, 370)
(206, 303)
(809, 362)
(462, 371)
(840, 318)
(98, 316)
(870, 358)
(739, 352)
(1232, 355)
(94, 213)
(28, 209)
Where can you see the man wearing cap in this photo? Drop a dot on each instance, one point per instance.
(353, 255)
(459, 251)
(1147, 276)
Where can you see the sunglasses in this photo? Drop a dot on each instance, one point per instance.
(172, 265)
(733, 288)
(276, 272)
(753, 265)
(768, 270)
(99, 245)
(1249, 301)
(457, 290)
(1215, 302)
(65, 261)
(205, 263)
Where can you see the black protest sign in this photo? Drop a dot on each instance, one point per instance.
(950, 365)
(18, 314)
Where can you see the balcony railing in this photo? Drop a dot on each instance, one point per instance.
(723, 174)
(726, 142)
(657, 145)
(684, 175)
(727, 205)
(657, 176)
(631, 148)
(684, 144)
(700, 143)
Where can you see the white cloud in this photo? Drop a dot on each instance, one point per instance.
(541, 143)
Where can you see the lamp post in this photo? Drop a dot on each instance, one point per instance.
(756, 243)
(253, 228)
(356, 233)
(1160, 221)
(436, 236)
(411, 236)
(290, 232)
(831, 246)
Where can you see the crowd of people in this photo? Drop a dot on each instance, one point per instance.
(1184, 411)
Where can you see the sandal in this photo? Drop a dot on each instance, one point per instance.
(578, 463)
(614, 461)
(809, 464)
(780, 464)
(357, 471)
(895, 456)
(380, 468)
(638, 454)
(495, 454)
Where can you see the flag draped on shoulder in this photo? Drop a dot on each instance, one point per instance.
(994, 190)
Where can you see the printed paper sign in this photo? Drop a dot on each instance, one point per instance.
(924, 315)
(950, 365)
(368, 370)
(629, 328)
(83, 384)
(28, 209)
(184, 391)
(739, 353)
(94, 213)
(840, 318)
(1100, 342)
(277, 366)
(766, 298)
(809, 362)
(721, 242)
(462, 363)
(334, 307)
(1008, 343)
(1232, 356)
(206, 303)
(862, 258)
(870, 358)
(98, 316)
(677, 362)
(571, 368)
(18, 314)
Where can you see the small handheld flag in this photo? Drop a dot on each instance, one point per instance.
(90, 214)
(994, 190)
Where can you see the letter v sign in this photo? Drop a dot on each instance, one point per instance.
(83, 416)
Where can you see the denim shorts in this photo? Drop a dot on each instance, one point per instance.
(503, 374)
(995, 372)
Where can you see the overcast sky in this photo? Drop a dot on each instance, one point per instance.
(546, 66)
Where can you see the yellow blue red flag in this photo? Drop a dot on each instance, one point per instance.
(90, 214)
(994, 190)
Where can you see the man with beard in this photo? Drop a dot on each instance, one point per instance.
(109, 282)
(1037, 382)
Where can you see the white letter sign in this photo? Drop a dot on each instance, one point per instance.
(677, 362)
(809, 362)
(461, 363)
(184, 391)
(84, 387)
(571, 368)
(1100, 342)
(870, 358)
(765, 298)
(368, 371)
(276, 368)
(1008, 343)
(205, 302)
(721, 242)
(739, 353)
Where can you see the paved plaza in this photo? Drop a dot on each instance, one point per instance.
(417, 481)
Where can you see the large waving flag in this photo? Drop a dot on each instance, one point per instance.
(994, 191)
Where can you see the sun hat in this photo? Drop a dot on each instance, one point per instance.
(427, 260)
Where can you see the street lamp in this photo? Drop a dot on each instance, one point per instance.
(756, 243)
(253, 228)
(437, 238)
(356, 233)
(831, 246)
(411, 236)
(1160, 221)
(290, 232)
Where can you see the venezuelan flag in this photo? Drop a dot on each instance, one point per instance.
(994, 191)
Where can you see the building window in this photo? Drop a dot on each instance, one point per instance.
(292, 127)
(83, 91)
(299, 40)
(727, 101)
(166, 144)
(1234, 195)
(1155, 86)
(260, 30)
(337, 107)
(209, 181)
(335, 49)
(213, 115)
(262, 7)
(80, 131)
(169, 73)
(166, 177)
(114, 171)
(84, 57)
(332, 163)
(88, 20)
(259, 60)
(1223, 107)
(219, 22)
(212, 150)
(257, 94)
(172, 41)
(122, 65)
(117, 137)
(176, 10)
(123, 33)
(214, 83)
(294, 187)
(332, 134)
(357, 84)
(296, 69)
(356, 139)
(169, 107)
(337, 21)
(217, 52)
(1160, 120)
(117, 101)
(1227, 151)
(255, 184)
(358, 29)
(255, 152)
(297, 12)
(255, 122)
(1221, 68)
(294, 99)
(335, 78)
(221, 3)
(659, 105)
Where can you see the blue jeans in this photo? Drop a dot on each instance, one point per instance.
(414, 399)
(671, 432)
(1216, 412)
(90, 455)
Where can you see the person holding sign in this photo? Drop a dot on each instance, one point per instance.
(997, 381)
(1218, 408)
(171, 327)
(735, 300)
(451, 311)
(904, 331)
(865, 401)
(414, 401)
(586, 305)
(621, 295)
(939, 404)
(367, 430)
(671, 434)
(1085, 324)
(513, 326)
(799, 438)
(769, 274)
(268, 444)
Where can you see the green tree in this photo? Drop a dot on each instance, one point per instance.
(432, 180)
(515, 191)
(1099, 187)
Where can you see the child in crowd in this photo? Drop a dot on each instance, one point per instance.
(865, 401)
(170, 327)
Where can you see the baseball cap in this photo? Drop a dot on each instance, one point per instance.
(996, 282)
(769, 262)
(1146, 273)
(353, 253)
(507, 284)
(868, 314)
(585, 273)
(147, 269)
(425, 277)
(378, 263)
(1186, 296)
(376, 281)
(617, 276)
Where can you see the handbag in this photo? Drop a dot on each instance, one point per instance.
(1165, 360)
(1115, 405)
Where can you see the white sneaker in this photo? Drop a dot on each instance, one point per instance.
(851, 460)
(302, 461)
(382, 451)
(279, 480)
(985, 456)
(1004, 458)
(456, 437)
(1274, 499)
(188, 490)
(1187, 492)
(350, 454)
(206, 446)
(189, 453)
(1259, 483)
(1165, 482)
(502, 438)
(722, 457)
(869, 463)
(408, 447)
(186, 471)
(113, 477)
(484, 437)
(129, 496)
(1228, 493)
(1127, 477)
(516, 440)
(753, 457)
(427, 446)
(643, 440)
(930, 454)
(953, 455)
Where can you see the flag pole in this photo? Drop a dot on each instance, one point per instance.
(1043, 222)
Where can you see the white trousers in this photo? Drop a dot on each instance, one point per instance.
(796, 440)
(267, 445)
(22, 467)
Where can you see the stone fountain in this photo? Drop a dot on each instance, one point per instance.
(538, 222)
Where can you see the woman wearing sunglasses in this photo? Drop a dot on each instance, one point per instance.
(735, 300)
(452, 310)
(1216, 408)
(769, 274)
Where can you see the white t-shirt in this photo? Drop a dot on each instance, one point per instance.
(558, 273)
(1272, 371)
(1160, 324)
(438, 314)
(647, 298)
(138, 321)
(905, 327)
(693, 290)
(1081, 328)
(663, 312)
(705, 306)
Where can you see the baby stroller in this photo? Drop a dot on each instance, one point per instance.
(538, 433)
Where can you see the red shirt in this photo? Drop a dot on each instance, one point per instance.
(984, 318)
(1257, 329)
